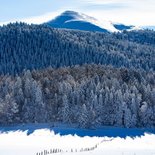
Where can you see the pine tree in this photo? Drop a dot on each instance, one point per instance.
(65, 110)
(84, 120)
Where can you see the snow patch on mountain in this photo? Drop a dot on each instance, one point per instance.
(80, 21)
(148, 27)
(85, 18)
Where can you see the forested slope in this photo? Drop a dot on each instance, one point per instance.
(91, 79)
(88, 95)
(36, 46)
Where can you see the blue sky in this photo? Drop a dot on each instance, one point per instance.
(137, 12)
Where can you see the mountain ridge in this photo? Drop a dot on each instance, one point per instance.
(79, 21)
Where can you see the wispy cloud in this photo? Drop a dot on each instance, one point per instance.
(100, 1)
(137, 12)
(104, 7)
(35, 19)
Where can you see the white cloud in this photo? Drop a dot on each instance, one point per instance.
(134, 12)
(137, 12)
(105, 1)
(36, 19)
(43, 18)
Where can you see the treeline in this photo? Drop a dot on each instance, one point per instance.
(31, 47)
(87, 95)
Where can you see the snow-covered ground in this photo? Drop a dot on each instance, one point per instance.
(32, 140)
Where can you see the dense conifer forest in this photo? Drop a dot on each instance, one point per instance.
(88, 78)
(37, 46)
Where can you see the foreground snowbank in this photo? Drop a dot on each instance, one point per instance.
(19, 143)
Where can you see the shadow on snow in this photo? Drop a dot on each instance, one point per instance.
(66, 130)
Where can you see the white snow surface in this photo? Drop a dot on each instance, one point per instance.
(104, 24)
(19, 143)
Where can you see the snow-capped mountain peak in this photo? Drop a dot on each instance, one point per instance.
(80, 21)
(85, 18)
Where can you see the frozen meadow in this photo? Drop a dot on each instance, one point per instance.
(42, 140)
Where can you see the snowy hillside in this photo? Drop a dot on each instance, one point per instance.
(148, 27)
(80, 21)
(74, 20)
(45, 141)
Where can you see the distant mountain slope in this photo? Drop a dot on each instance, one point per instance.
(148, 27)
(74, 20)
(80, 21)
(122, 27)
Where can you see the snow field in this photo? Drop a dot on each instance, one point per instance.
(19, 143)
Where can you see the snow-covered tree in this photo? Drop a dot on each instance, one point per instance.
(65, 110)
(84, 120)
